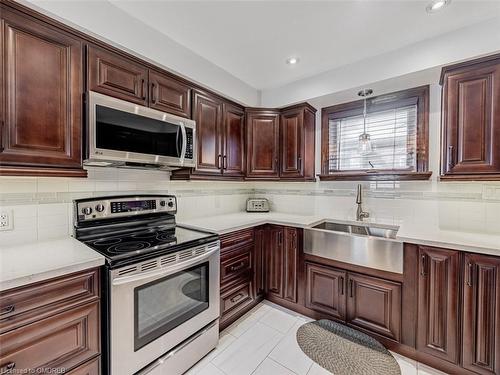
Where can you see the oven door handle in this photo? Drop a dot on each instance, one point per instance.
(165, 271)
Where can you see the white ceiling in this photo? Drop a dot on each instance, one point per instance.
(252, 39)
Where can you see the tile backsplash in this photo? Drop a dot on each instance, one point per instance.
(42, 207)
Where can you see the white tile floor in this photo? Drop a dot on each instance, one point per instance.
(262, 342)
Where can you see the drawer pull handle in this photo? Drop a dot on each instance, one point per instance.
(470, 275)
(237, 297)
(153, 93)
(7, 368)
(422, 266)
(238, 267)
(341, 284)
(351, 287)
(7, 310)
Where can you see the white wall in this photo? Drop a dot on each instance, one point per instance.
(109, 23)
(466, 43)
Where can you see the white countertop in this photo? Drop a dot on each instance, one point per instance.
(418, 234)
(25, 264)
(221, 224)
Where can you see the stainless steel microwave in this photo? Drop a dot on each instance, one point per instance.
(125, 134)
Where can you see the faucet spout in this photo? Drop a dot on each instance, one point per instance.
(358, 195)
(360, 214)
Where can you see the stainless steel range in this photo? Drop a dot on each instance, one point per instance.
(160, 284)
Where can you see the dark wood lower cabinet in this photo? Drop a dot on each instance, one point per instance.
(325, 290)
(290, 259)
(65, 333)
(274, 262)
(438, 298)
(481, 314)
(374, 304)
(457, 326)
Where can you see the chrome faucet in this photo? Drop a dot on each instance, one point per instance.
(360, 214)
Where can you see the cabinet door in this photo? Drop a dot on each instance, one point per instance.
(471, 121)
(42, 98)
(481, 314)
(208, 117)
(263, 144)
(374, 304)
(291, 254)
(65, 340)
(169, 95)
(325, 290)
(259, 258)
(292, 137)
(274, 262)
(438, 303)
(233, 159)
(115, 75)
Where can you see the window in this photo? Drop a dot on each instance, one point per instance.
(398, 127)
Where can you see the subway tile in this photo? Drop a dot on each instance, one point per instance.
(52, 184)
(18, 185)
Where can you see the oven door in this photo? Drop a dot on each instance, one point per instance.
(124, 133)
(154, 310)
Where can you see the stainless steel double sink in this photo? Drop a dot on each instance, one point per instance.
(364, 244)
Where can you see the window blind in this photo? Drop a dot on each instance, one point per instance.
(393, 136)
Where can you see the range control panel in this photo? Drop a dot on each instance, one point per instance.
(97, 209)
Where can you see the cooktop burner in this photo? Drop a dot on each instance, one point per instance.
(153, 240)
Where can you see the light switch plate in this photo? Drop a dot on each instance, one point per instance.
(6, 220)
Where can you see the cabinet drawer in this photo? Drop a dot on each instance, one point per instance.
(235, 265)
(24, 305)
(62, 341)
(238, 296)
(234, 239)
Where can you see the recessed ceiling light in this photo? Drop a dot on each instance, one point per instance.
(292, 60)
(437, 5)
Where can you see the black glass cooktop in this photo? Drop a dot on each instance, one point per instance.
(147, 243)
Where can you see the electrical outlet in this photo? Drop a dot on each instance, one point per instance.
(6, 222)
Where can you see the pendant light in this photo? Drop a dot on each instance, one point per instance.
(365, 144)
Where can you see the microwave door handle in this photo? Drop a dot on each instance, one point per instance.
(184, 141)
(163, 272)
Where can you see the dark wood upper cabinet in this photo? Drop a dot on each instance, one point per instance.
(374, 304)
(169, 95)
(42, 87)
(112, 74)
(274, 262)
(471, 120)
(233, 158)
(208, 116)
(297, 142)
(481, 314)
(325, 290)
(292, 127)
(263, 144)
(438, 296)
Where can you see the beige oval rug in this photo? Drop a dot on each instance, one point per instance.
(343, 350)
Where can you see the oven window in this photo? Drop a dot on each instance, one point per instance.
(164, 304)
(123, 131)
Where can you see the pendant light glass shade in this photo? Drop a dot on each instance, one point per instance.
(365, 143)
